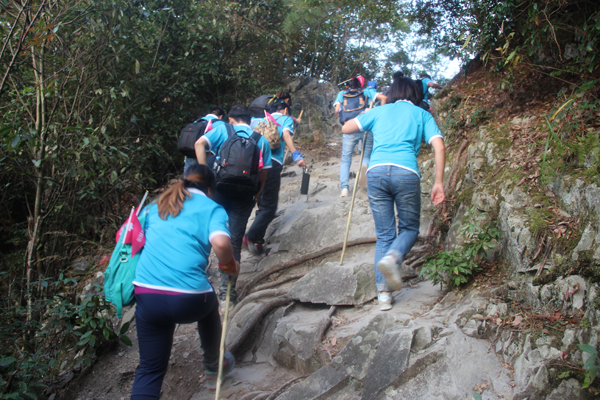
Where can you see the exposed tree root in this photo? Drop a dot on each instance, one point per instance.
(263, 310)
(252, 395)
(327, 250)
(256, 296)
(277, 282)
(323, 326)
(418, 262)
(283, 387)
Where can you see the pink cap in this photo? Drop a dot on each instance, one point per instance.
(361, 80)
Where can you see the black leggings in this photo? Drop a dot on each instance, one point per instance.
(156, 316)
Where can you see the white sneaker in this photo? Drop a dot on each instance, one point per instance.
(385, 301)
(344, 193)
(362, 181)
(389, 267)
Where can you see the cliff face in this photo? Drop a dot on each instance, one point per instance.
(530, 167)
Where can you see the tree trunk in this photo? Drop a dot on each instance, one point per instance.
(36, 220)
(336, 64)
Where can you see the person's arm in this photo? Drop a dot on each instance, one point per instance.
(437, 192)
(350, 127)
(434, 85)
(263, 180)
(289, 141)
(200, 148)
(222, 246)
(382, 98)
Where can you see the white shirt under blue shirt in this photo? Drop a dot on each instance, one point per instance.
(398, 130)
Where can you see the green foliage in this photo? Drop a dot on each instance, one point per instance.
(573, 143)
(456, 266)
(479, 115)
(59, 331)
(556, 37)
(452, 265)
(591, 366)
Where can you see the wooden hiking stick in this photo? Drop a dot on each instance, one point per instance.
(301, 112)
(362, 154)
(222, 347)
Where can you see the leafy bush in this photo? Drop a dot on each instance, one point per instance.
(57, 334)
(456, 266)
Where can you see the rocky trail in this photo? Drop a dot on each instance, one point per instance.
(415, 346)
(310, 328)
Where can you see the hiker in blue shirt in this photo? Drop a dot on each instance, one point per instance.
(394, 179)
(372, 95)
(238, 208)
(171, 286)
(349, 142)
(428, 83)
(268, 200)
(216, 114)
(339, 98)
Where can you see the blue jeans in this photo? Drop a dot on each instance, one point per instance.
(349, 142)
(391, 186)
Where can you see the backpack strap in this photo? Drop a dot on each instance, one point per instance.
(230, 130)
(256, 136)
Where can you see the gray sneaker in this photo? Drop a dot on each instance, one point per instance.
(385, 301)
(389, 267)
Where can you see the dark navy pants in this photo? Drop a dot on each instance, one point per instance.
(156, 316)
(238, 210)
(267, 205)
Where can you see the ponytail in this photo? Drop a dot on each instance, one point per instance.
(198, 176)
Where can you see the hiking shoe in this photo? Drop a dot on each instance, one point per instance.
(385, 301)
(389, 267)
(344, 193)
(254, 248)
(362, 181)
(211, 376)
(232, 303)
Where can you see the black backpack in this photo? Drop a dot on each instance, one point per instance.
(237, 170)
(353, 104)
(259, 105)
(189, 135)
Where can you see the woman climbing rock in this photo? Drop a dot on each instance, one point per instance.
(171, 286)
(393, 178)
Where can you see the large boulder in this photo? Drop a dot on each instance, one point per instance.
(316, 99)
(334, 284)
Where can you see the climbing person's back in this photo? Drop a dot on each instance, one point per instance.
(171, 286)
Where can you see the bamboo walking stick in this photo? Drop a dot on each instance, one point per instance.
(222, 347)
(362, 154)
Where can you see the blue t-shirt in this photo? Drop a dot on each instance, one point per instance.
(370, 94)
(398, 130)
(340, 97)
(175, 255)
(286, 122)
(215, 120)
(217, 136)
(425, 82)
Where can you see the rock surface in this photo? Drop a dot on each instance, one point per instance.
(334, 284)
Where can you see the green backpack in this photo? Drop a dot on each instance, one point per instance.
(120, 273)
